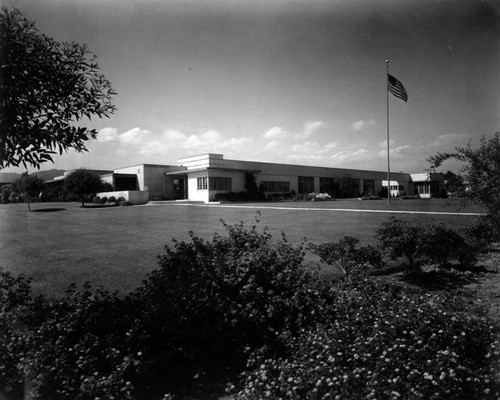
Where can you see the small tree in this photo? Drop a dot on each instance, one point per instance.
(481, 173)
(82, 182)
(401, 238)
(46, 88)
(29, 187)
(348, 255)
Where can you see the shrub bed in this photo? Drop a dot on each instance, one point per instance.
(383, 343)
(245, 301)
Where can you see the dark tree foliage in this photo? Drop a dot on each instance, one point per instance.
(481, 173)
(349, 187)
(46, 88)
(82, 182)
(30, 187)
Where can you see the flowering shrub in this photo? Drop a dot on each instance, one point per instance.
(211, 301)
(383, 344)
(318, 197)
(348, 255)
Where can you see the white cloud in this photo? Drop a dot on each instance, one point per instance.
(272, 144)
(275, 132)
(448, 138)
(358, 126)
(107, 135)
(350, 155)
(135, 136)
(309, 128)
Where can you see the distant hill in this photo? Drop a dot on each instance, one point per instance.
(50, 174)
(7, 177)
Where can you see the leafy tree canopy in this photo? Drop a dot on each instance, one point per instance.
(481, 172)
(29, 186)
(82, 182)
(47, 88)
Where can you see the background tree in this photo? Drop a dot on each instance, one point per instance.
(82, 183)
(454, 184)
(29, 187)
(349, 187)
(46, 88)
(481, 173)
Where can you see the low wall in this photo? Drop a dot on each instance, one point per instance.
(134, 196)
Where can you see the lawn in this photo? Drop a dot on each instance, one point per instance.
(61, 243)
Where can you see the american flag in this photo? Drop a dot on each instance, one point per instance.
(396, 88)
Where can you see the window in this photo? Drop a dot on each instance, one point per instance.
(368, 186)
(306, 184)
(326, 185)
(217, 183)
(275, 186)
(423, 188)
(203, 183)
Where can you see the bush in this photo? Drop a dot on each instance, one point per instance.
(483, 233)
(399, 238)
(281, 196)
(210, 301)
(112, 199)
(104, 200)
(383, 344)
(120, 199)
(318, 197)
(443, 245)
(348, 255)
(96, 200)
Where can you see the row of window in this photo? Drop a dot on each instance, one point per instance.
(305, 185)
(214, 183)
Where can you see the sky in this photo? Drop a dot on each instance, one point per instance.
(287, 81)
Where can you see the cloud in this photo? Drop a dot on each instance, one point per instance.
(309, 128)
(448, 138)
(275, 132)
(358, 126)
(350, 155)
(107, 135)
(135, 136)
(312, 126)
(272, 144)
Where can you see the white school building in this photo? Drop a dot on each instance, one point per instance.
(200, 178)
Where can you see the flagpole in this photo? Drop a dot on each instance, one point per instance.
(388, 160)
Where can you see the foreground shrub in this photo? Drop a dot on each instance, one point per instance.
(211, 301)
(112, 199)
(400, 238)
(383, 344)
(483, 233)
(442, 245)
(16, 320)
(96, 200)
(104, 200)
(348, 255)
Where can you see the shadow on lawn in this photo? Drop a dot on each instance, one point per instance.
(54, 209)
(444, 279)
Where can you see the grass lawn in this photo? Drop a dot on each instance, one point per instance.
(61, 243)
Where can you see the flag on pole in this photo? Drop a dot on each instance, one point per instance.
(396, 88)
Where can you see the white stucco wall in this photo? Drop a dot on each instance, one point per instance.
(134, 196)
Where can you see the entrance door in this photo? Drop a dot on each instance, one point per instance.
(179, 189)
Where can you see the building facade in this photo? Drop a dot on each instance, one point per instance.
(200, 178)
